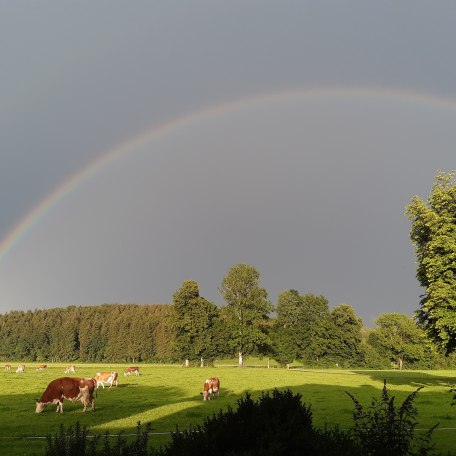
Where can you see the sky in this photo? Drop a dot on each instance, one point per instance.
(147, 143)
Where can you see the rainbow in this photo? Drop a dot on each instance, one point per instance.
(39, 210)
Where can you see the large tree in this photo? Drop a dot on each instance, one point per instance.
(194, 322)
(284, 332)
(346, 336)
(247, 310)
(398, 337)
(302, 327)
(433, 234)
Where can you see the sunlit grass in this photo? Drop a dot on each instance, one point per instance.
(169, 396)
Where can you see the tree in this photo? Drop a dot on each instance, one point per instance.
(433, 234)
(194, 322)
(302, 327)
(314, 327)
(400, 338)
(248, 309)
(284, 334)
(346, 335)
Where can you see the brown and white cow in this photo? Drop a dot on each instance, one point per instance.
(20, 368)
(70, 369)
(106, 377)
(211, 387)
(132, 370)
(7, 367)
(41, 367)
(70, 388)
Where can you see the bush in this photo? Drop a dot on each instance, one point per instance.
(76, 442)
(384, 429)
(275, 424)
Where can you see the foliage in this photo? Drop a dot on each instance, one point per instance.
(373, 358)
(76, 442)
(194, 323)
(115, 332)
(284, 331)
(385, 429)
(275, 424)
(400, 339)
(302, 328)
(247, 310)
(345, 335)
(433, 234)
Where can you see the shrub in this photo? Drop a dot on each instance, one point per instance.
(76, 442)
(385, 429)
(275, 424)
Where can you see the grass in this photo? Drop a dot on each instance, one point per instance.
(169, 396)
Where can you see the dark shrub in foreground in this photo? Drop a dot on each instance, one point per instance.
(276, 424)
(385, 429)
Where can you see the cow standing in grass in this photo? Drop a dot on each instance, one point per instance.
(106, 377)
(20, 369)
(211, 387)
(41, 367)
(70, 388)
(70, 369)
(132, 370)
(7, 367)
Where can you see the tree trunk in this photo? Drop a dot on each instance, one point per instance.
(400, 363)
(241, 360)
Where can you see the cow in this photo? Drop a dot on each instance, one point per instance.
(211, 387)
(70, 369)
(20, 368)
(41, 367)
(70, 388)
(132, 370)
(106, 377)
(7, 367)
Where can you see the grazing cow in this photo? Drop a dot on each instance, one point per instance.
(7, 367)
(70, 388)
(20, 368)
(106, 377)
(70, 369)
(132, 370)
(41, 367)
(211, 387)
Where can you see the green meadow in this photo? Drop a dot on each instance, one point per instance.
(169, 396)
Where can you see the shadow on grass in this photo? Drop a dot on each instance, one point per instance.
(119, 408)
(411, 378)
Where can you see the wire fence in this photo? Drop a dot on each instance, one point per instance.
(43, 437)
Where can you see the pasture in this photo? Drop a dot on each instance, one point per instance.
(169, 396)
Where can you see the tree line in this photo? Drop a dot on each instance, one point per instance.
(298, 327)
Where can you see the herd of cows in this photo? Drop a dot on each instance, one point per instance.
(81, 389)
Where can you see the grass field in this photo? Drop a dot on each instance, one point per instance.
(170, 395)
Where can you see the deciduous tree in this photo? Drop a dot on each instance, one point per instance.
(400, 338)
(195, 317)
(433, 234)
(248, 308)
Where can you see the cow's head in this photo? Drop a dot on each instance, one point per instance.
(40, 406)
